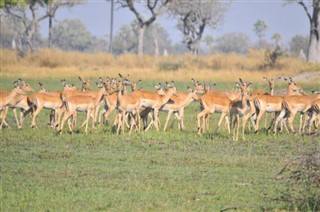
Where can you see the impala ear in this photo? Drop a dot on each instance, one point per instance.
(265, 78)
(80, 79)
(40, 84)
(241, 81)
(278, 78)
(249, 85)
(238, 85)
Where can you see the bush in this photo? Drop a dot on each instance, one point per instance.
(169, 66)
(301, 180)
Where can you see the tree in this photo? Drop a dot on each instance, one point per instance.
(208, 40)
(52, 7)
(312, 10)
(30, 13)
(260, 27)
(154, 7)
(111, 25)
(195, 16)
(277, 39)
(72, 35)
(233, 42)
(126, 40)
(298, 43)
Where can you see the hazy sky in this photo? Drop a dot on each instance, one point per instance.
(287, 20)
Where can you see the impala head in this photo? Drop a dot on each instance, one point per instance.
(160, 89)
(271, 81)
(86, 85)
(68, 87)
(193, 93)
(134, 85)
(124, 78)
(43, 89)
(25, 86)
(198, 86)
(293, 88)
(172, 88)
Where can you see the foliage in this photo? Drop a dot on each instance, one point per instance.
(301, 180)
(140, 9)
(169, 65)
(233, 42)
(72, 35)
(271, 59)
(126, 40)
(260, 27)
(298, 43)
(194, 17)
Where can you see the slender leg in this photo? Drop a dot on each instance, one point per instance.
(167, 120)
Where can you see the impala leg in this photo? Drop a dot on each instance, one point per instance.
(66, 116)
(278, 119)
(220, 122)
(34, 116)
(118, 117)
(167, 120)
(16, 117)
(290, 120)
(4, 113)
(260, 114)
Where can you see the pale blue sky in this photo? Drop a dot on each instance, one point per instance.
(287, 20)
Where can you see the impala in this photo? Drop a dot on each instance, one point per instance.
(126, 103)
(315, 112)
(177, 104)
(293, 105)
(218, 103)
(155, 101)
(240, 108)
(12, 99)
(270, 104)
(82, 103)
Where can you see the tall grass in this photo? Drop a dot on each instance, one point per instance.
(46, 63)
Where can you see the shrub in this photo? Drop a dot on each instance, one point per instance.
(301, 180)
(169, 65)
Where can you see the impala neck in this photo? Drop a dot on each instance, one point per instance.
(168, 95)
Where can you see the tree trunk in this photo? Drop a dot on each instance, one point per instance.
(111, 26)
(314, 42)
(140, 41)
(156, 47)
(50, 33)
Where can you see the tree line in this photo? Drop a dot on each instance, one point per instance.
(20, 28)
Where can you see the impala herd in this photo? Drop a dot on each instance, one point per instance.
(133, 109)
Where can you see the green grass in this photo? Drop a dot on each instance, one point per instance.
(171, 171)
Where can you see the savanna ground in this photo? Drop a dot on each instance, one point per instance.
(157, 171)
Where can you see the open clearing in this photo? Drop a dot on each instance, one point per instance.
(171, 171)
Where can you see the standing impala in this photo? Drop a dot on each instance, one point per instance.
(82, 103)
(127, 104)
(270, 103)
(292, 105)
(154, 101)
(177, 104)
(12, 99)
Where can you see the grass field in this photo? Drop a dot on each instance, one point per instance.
(145, 171)
(151, 171)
